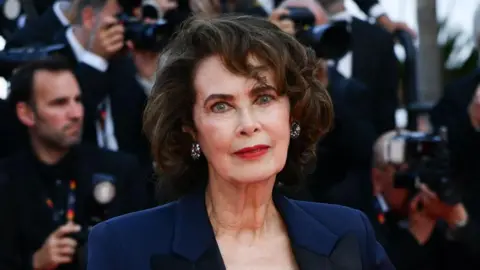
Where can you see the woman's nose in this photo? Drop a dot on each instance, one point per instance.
(248, 123)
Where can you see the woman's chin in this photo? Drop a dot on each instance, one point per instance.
(253, 176)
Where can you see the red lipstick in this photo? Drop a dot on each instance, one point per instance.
(252, 152)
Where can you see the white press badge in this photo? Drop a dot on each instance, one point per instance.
(12, 9)
(104, 192)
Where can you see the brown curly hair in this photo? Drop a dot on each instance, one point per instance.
(233, 38)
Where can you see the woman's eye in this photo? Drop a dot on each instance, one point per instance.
(220, 107)
(264, 99)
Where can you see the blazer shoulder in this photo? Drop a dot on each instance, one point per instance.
(338, 219)
(122, 242)
(154, 225)
(341, 220)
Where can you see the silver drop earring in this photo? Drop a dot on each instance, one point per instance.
(195, 152)
(295, 130)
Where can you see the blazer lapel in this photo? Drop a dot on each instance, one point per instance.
(315, 246)
(194, 245)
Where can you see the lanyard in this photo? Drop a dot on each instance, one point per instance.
(71, 201)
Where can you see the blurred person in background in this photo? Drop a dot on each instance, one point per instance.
(373, 9)
(94, 38)
(111, 80)
(459, 110)
(417, 229)
(52, 193)
(371, 55)
(115, 78)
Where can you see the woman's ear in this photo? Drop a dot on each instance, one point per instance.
(189, 130)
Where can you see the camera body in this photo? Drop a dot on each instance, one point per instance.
(146, 36)
(427, 161)
(329, 41)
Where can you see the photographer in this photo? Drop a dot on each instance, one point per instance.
(418, 230)
(114, 81)
(371, 53)
(53, 192)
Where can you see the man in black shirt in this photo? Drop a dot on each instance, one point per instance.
(51, 194)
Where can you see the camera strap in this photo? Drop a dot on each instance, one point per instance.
(69, 211)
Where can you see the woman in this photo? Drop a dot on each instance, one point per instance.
(236, 109)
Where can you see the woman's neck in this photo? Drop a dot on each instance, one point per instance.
(242, 210)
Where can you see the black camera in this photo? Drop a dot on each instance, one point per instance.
(16, 57)
(427, 161)
(146, 36)
(330, 41)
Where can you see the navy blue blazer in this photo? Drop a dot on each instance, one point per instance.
(179, 236)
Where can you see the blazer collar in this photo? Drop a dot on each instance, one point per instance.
(193, 235)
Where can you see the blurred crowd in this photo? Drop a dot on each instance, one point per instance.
(73, 152)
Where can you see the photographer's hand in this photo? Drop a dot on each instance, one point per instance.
(421, 225)
(436, 209)
(57, 249)
(109, 38)
(392, 26)
(286, 25)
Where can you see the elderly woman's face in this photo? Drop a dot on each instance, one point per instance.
(242, 125)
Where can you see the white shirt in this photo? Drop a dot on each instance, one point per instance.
(105, 137)
(57, 9)
(376, 11)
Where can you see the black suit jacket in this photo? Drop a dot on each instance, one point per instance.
(451, 111)
(26, 218)
(41, 30)
(179, 236)
(342, 174)
(375, 65)
(366, 5)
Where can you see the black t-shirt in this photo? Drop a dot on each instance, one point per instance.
(56, 182)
